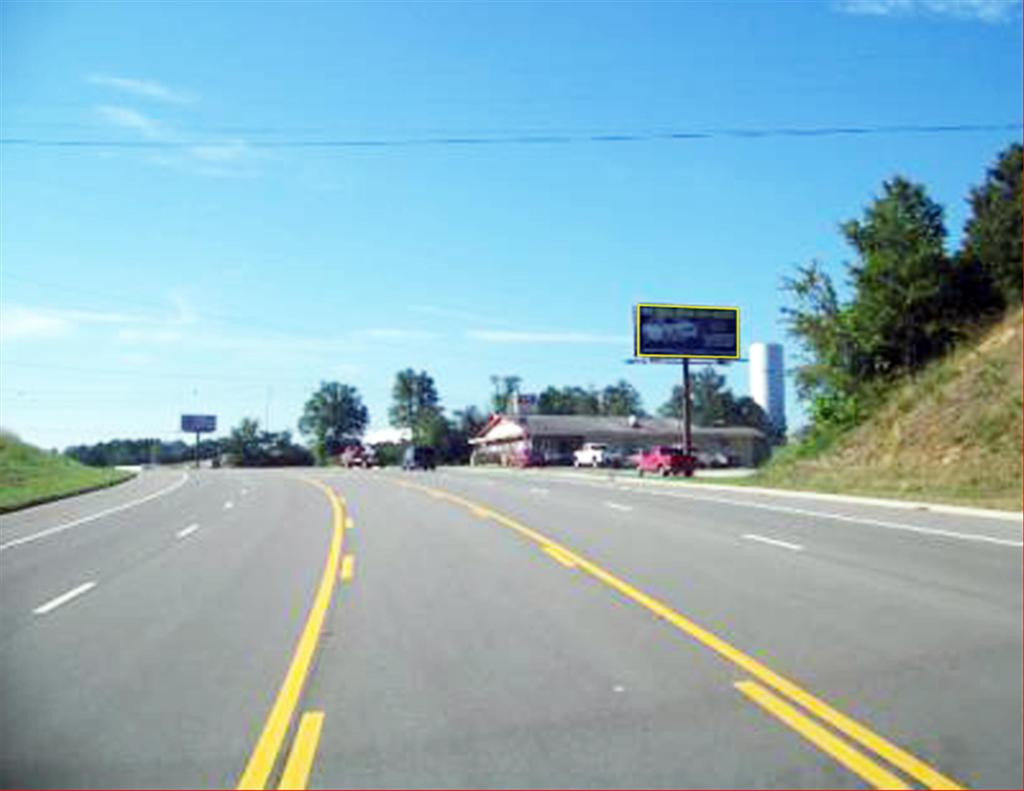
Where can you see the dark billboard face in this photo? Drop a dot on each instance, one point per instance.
(687, 331)
(198, 423)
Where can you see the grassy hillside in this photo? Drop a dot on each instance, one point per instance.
(952, 434)
(29, 475)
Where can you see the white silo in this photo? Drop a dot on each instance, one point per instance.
(767, 380)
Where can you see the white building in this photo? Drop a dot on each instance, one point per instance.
(768, 381)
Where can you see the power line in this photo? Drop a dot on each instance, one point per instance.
(521, 139)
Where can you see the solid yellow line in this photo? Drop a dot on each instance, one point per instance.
(348, 568)
(561, 557)
(900, 758)
(264, 755)
(300, 759)
(850, 757)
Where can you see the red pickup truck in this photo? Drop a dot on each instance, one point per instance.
(666, 460)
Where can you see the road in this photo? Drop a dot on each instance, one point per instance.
(468, 628)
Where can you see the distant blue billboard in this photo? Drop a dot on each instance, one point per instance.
(686, 331)
(199, 424)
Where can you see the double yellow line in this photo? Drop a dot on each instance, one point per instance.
(826, 740)
(268, 746)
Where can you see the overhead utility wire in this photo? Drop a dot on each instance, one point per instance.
(524, 139)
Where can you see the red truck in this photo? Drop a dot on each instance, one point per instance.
(666, 460)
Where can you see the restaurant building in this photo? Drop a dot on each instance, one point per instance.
(555, 437)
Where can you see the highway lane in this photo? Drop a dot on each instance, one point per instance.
(919, 635)
(162, 673)
(879, 615)
(460, 649)
(463, 657)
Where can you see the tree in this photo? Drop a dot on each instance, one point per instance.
(504, 387)
(465, 424)
(469, 421)
(244, 442)
(832, 377)
(713, 404)
(621, 399)
(413, 397)
(993, 231)
(745, 411)
(334, 416)
(903, 311)
(569, 401)
(415, 405)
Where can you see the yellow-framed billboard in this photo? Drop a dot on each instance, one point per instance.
(686, 331)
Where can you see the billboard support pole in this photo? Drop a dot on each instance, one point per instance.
(688, 436)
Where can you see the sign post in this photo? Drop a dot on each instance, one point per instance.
(199, 424)
(664, 333)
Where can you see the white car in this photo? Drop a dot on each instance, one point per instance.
(595, 454)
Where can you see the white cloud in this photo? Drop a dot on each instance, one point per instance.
(453, 313)
(498, 336)
(991, 11)
(148, 89)
(132, 119)
(132, 335)
(218, 159)
(394, 334)
(26, 323)
(220, 153)
(18, 322)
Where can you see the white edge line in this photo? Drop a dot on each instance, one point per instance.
(61, 528)
(774, 542)
(187, 531)
(64, 598)
(928, 531)
(881, 502)
(618, 506)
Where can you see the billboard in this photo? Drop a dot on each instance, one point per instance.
(686, 331)
(198, 424)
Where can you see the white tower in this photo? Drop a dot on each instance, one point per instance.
(767, 380)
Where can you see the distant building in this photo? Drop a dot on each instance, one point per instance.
(555, 437)
(767, 380)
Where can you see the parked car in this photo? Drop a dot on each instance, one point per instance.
(358, 456)
(712, 459)
(666, 460)
(596, 454)
(525, 458)
(418, 457)
(557, 458)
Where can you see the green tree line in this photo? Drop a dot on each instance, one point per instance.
(910, 299)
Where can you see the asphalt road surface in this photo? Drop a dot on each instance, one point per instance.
(466, 628)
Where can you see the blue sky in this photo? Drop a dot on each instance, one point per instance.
(198, 257)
